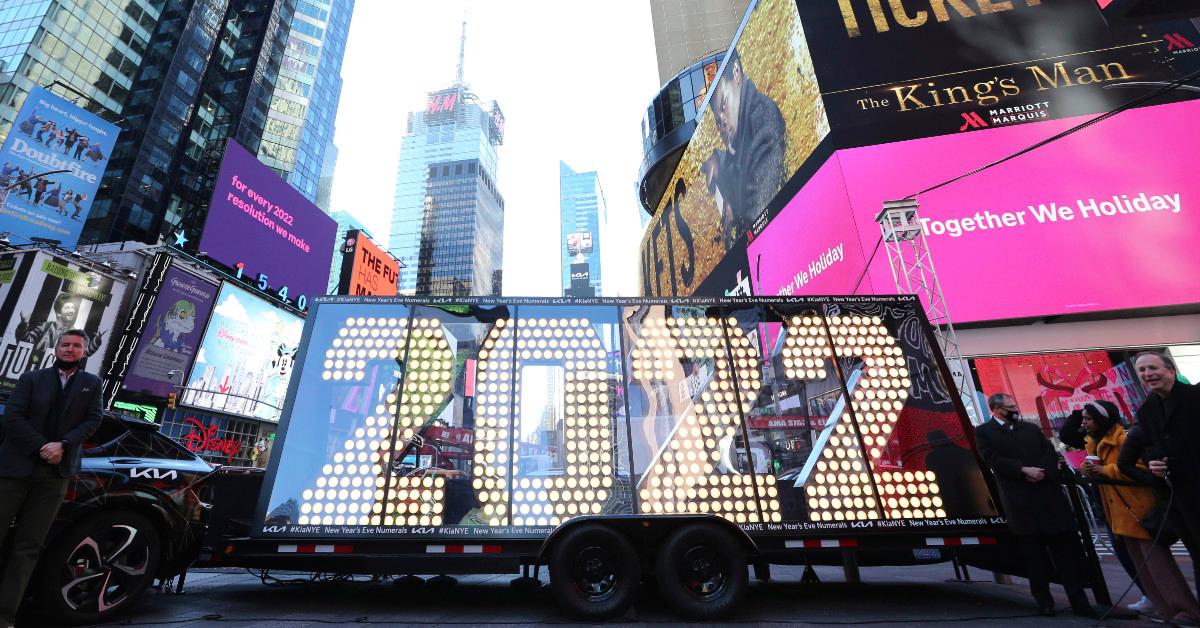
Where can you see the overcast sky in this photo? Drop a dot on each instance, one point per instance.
(573, 77)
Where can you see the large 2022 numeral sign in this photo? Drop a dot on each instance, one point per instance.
(691, 472)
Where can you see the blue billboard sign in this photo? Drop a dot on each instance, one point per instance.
(50, 168)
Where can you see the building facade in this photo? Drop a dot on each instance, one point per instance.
(298, 140)
(93, 47)
(462, 231)
(583, 219)
(685, 30)
(458, 135)
(208, 76)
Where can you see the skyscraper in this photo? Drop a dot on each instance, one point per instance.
(42, 42)
(448, 215)
(686, 30)
(207, 76)
(298, 140)
(583, 216)
(325, 182)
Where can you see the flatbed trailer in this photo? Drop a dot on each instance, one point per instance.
(615, 440)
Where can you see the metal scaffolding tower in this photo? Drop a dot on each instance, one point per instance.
(913, 271)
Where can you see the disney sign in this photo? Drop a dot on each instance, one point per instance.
(204, 439)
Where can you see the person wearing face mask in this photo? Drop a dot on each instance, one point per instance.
(48, 416)
(1041, 520)
(1166, 436)
(1126, 504)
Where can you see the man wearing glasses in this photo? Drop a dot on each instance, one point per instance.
(1043, 525)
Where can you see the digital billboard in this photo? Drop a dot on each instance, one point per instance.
(367, 269)
(245, 358)
(579, 242)
(258, 221)
(171, 336)
(43, 295)
(52, 135)
(895, 74)
(1083, 224)
(813, 246)
(955, 101)
(764, 118)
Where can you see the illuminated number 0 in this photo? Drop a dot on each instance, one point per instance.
(587, 481)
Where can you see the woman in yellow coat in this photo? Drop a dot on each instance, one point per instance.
(1125, 505)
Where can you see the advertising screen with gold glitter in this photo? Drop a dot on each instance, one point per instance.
(763, 120)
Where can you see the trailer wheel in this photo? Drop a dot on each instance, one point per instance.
(594, 572)
(701, 572)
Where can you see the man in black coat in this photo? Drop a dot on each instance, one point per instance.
(46, 420)
(750, 171)
(1166, 434)
(1039, 515)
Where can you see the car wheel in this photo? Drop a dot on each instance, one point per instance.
(594, 572)
(701, 572)
(98, 567)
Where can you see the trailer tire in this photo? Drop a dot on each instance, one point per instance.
(702, 572)
(594, 572)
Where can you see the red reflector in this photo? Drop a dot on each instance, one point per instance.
(228, 549)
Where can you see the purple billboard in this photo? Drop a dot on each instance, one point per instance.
(258, 222)
(173, 330)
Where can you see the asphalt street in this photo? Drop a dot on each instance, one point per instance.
(886, 596)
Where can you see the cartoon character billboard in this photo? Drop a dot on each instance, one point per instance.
(245, 358)
(44, 296)
(54, 136)
(172, 335)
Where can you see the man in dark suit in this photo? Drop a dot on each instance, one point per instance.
(46, 420)
(1039, 515)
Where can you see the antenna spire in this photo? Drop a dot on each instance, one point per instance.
(462, 51)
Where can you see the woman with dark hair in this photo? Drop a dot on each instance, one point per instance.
(1072, 435)
(1125, 505)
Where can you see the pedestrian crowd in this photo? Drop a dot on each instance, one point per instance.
(1147, 481)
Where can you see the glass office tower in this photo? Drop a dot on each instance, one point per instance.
(455, 130)
(462, 231)
(298, 139)
(207, 76)
(583, 215)
(93, 46)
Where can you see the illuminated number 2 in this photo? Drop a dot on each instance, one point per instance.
(691, 474)
(838, 487)
(355, 487)
(587, 480)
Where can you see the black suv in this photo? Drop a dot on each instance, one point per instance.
(136, 513)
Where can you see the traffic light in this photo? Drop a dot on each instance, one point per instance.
(171, 400)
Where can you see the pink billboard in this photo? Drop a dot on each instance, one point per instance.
(813, 246)
(1104, 219)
